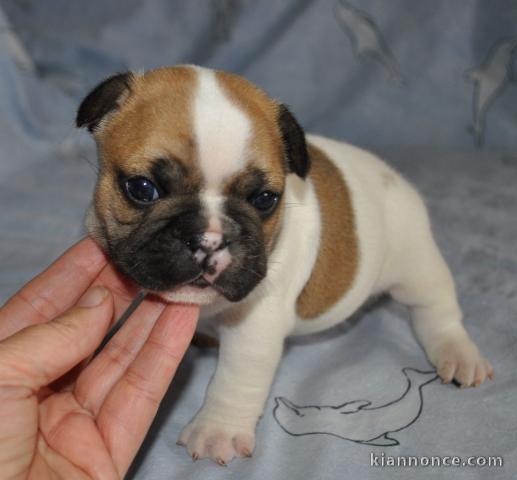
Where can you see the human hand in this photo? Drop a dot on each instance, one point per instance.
(92, 421)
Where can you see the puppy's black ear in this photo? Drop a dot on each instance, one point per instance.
(295, 147)
(103, 99)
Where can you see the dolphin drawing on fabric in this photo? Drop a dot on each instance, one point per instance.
(357, 420)
(490, 79)
(366, 38)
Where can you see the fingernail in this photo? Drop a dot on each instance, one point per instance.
(93, 297)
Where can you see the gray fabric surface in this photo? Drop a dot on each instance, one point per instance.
(430, 87)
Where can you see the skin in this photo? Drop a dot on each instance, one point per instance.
(89, 421)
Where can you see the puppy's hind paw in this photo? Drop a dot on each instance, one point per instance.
(462, 362)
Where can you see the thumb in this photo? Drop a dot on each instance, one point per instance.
(39, 354)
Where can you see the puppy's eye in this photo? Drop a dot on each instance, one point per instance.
(141, 190)
(264, 201)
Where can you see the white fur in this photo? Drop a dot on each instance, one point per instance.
(222, 132)
(212, 202)
(362, 173)
(397, 254)
(219, 261)
(189, 294)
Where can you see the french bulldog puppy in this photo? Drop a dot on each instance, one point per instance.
(209, 192)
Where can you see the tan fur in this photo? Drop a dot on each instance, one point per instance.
(154, 121)
(338, 256)
(266, 147)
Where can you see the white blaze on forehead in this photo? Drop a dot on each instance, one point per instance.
(221, 131)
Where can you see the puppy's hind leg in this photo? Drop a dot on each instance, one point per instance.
(426, 286)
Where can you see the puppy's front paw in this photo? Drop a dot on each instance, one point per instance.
(460, 360)
(206, 438)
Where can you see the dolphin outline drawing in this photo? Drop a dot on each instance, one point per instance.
(490, 78)
(367, 39)
(341, 412)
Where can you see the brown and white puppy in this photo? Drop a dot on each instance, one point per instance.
(209, 193)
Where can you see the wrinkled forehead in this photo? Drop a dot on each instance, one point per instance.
(217, 126)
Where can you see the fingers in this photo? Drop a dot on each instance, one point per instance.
(131, 405)
(41, 353)
(123, 290)
(55, 290)
(96, 381)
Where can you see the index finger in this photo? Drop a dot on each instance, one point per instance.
(54, 290)
(132, 403)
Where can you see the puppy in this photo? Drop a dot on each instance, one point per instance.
(209, 192)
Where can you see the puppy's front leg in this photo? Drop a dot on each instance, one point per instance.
(249, 352)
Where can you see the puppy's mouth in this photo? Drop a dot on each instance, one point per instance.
(200, 282)
(198, 291)
(184, 273)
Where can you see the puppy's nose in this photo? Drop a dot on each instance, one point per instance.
(212, 241)
(207, 242)
(194, 243)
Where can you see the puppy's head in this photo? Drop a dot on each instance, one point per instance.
(193, 163)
